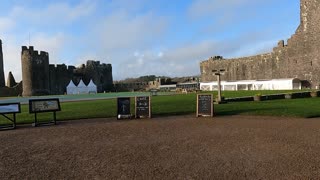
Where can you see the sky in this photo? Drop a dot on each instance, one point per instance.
(144, 37)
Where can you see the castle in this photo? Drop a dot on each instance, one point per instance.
(41, 78)
(298, 58)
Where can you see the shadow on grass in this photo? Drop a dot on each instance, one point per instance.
(256, 111)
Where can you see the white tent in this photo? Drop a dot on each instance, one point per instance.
(92, 88)
(273, 84)
(82, 88)
(71, 88)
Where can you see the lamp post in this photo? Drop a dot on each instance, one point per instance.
(218, 73)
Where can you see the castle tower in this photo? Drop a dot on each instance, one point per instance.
(309, 15)
(2, 82)
(35, 72)
(11, 81)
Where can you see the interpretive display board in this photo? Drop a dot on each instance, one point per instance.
(42, 106)
(9, 108)
(205, 105)
(143, 107)
(123, 108)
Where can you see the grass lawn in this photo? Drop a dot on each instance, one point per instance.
(179, 105)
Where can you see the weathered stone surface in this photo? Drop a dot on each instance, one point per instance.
(299, 58)
(2, 81)
(35, 72)
(11, 81)
(40, 78)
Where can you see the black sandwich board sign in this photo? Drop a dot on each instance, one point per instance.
(143, 106)
(42, 106)
(205, 105)
(123, 108)
(9, 108)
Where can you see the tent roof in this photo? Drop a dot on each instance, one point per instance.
(91, 84)
(71, 84)
(81, 84)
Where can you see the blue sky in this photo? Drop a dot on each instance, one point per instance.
(144, 37)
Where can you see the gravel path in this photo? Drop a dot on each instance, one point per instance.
(180, 147)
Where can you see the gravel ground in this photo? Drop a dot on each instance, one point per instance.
(180, 147)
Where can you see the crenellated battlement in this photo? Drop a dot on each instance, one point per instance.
(33, 52)
(298, 58)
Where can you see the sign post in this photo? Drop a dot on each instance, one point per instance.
(204, 105)
(143, 106)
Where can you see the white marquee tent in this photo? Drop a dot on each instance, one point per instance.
(81, 88)
(92, 88)
(274, 84)
(71, 88)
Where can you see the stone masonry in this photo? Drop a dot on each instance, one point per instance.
(35, 72)
(2, 81)
(299, 58)
(11, 82)
(41, 78)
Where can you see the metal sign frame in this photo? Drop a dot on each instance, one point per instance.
(42, 106)
(13, 112)
(136, 105)
(211, 106)
(123, 115)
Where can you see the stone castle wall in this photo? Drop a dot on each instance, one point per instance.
(11, 91)
(101, 75)
(299, 58)
(41, 78)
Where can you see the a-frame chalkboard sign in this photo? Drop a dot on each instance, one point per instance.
(205, 105)
(123, 108)
(143, 107)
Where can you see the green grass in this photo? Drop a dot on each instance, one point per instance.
(179, 105)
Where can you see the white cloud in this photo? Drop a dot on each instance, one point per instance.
(41, 42)
(121, 30)
(53, 14)
(53, 44)
(6, 24)
(12, 59)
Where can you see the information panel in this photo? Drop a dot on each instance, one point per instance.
(123, 107)
(44, 105)
(10, 108)
(204, 105)
(143, 107)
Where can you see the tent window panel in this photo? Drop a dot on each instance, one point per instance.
(205, 88)
(242, 87)
(214, 87)
(230, 87)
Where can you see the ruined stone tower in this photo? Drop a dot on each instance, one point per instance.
(35, 72)
(11, 82)
(299, 58)
(2, 81)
